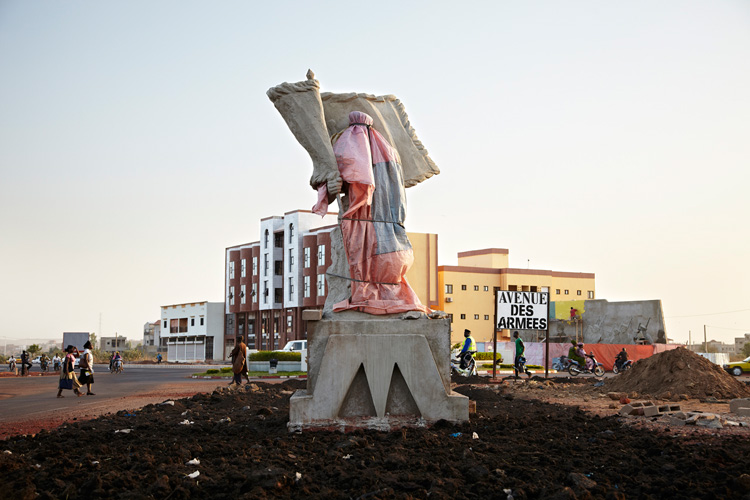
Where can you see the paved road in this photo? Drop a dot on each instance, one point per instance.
(34, 397)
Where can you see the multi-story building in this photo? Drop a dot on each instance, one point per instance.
(112, 344)
(151, 333)
(193, 331)
(468, 290)
(739, 343)
(268, 283)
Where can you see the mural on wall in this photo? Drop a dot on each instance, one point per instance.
(601, 321)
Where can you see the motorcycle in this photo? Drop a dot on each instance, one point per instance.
(521, 367)
(561, 364)
(471, 367)
(45, 366)
(116, 366)
(576, 369)
(627, 365)
(12, 365)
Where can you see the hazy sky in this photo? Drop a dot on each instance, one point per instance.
(137, 143)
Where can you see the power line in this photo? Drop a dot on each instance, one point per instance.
(725, 328)
(707, 314)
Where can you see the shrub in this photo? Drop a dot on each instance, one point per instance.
(487, 356)
(226, 369)
(212, 371)
(280, 355)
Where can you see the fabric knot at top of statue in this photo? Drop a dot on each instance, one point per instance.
(377, 248)
(360, 118)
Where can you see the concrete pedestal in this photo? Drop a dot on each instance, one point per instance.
(377, 373)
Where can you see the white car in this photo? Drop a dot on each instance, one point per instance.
(36, 361)
(295, 345)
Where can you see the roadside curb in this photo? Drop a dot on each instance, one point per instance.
(216, 377)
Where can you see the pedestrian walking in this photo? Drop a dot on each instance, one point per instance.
(68, 379)
(239, 362)
(87, 368)
(25, 363)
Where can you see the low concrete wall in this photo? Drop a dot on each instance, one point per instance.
(283, 366)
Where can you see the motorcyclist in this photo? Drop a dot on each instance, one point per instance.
(621, 358)
(575, 353)
(468, 350)
(44, 362)
(25, 363)
(12, 363)
(117, 360)
(56, 362)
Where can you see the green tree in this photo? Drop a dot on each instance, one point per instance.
(93, 340)
(33, 349)
(746, 350)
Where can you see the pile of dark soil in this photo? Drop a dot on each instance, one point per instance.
(679, 372)
(522, 448)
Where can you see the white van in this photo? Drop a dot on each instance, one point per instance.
(295, 345)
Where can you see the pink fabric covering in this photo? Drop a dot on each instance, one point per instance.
(379, 285)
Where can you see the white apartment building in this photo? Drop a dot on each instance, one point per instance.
(193, 331)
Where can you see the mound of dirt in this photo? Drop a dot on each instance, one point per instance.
(677, 372)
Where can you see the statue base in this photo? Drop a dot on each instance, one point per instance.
(367, 372)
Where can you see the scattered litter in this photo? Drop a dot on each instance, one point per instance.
(194, 461)
(599, 384)
(186, 422)
(8, 452)
(297, 476)
(347, 457)
(124, 431)
(167, 403)
(224, 420)
(455, 435)
(194, 475)
(184, 413)
(508, 492)
(129, 414)
(37, 466)
(474, 435)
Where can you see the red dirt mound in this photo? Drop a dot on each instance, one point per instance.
(677, 372)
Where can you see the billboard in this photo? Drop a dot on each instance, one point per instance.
(522, 310)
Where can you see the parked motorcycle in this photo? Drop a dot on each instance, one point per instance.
(521, 367)
(471, 367)
(561, 364)
(627, 365)
(575, 369)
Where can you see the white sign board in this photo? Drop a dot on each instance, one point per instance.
(522, 310)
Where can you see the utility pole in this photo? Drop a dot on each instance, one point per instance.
(690, 338)
(705, 341)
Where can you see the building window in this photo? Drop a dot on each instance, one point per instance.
(192, 321)
(578, 292)
(265, 264)
(557, 291)
(463, 316)
(321, 285)
(165, 323)
(448, 289)
(476, 316)
(265, 292)
(243, 268)
(463, 287)
(278, 268)
(266, 239)
(255, 292)
(291, 233)
(307, 286)
(202, 318)
(321, 255)
(231, 295)
(289, 323)
(255, 266)
(476, 288)
(231, 270)
(486, 288)
(243, 291)
(291, 258)
(486, 317)
(278, 240)
(567, 292)
(450, 318)
(307, 257)
(291, 288)
(591, 294)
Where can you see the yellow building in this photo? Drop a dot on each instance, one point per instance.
(467, 291)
